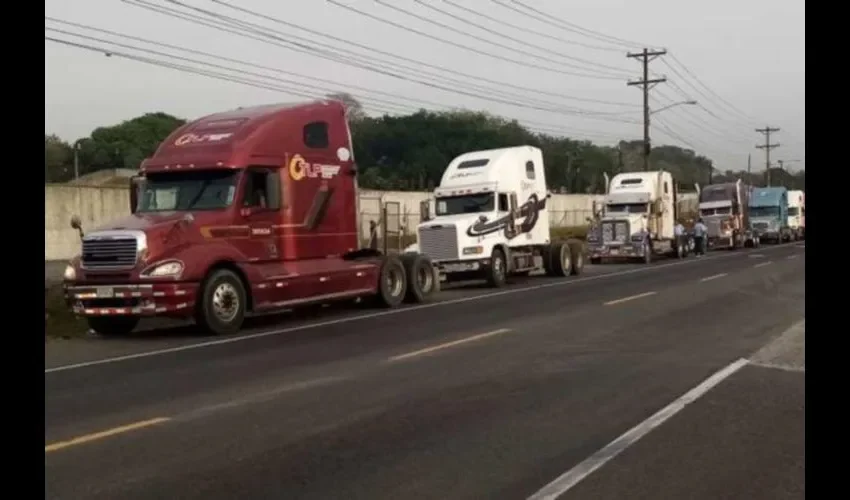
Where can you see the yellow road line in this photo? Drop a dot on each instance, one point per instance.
(104, 434)
(448, 344)
(626, 299)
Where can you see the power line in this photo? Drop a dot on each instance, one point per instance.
(265, 35)
(352, 60)
(538, 33)
(598, 76)
(241, 76)
(646, 84)
(513, 39)
(767, 146)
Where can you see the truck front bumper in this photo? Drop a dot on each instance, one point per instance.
(148, 299)
(465, 267)
(626, 251)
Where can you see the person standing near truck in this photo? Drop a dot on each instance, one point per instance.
(681, 243)
(700, 230)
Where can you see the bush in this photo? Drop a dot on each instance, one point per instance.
(59, 322)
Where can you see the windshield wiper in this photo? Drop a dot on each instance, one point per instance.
(204, 185)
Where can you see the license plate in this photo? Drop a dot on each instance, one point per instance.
(105, 292)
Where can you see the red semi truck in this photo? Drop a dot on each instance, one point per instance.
(240, 213)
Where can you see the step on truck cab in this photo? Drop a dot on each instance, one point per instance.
(769, 214)
(239, 213)
(638, 219)
(491, 219)
(724, 209)
(797, 214)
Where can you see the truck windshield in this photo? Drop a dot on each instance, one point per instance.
(466, 204)
(764, 211)
(183, 191)
(793, 211)
(716, 211)
(627, 208)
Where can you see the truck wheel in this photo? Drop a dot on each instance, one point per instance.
(560, 259)
(222, 303)
(113, 326)
(577, 254)
(422, 279)
(392, 282)
(497, 272)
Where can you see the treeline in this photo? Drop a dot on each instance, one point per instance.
(410, 152)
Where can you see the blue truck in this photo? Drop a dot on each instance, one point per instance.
(769, 214)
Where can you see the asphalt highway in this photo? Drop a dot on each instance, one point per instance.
(545, 388)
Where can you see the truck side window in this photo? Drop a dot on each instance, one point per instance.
(666, 188)
(503, 202)
(316, 135)
(262, 190)
(529, 169)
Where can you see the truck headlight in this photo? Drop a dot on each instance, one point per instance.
(166, 269)
(473, 250)
(70, 273)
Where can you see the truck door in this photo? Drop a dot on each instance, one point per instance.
(260, 213)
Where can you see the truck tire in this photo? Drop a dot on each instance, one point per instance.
(113, 326)
(560, 260)
(222, 303)
(422, 279)
(647, 252)
(497, 272)
(577, 255)
(392, 282)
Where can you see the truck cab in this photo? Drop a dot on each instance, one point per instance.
(638, 217)
(797, 214)
(490, 218)
(769, 214)
(241, 212)
(724, 209)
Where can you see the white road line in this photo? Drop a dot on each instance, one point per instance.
(446, 345)
(714, 277)
(258, 335)
(573, 476)
(762, 264)
(792, 256)
(785, 368)
(630, 297)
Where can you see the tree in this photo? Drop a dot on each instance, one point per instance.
(353, 108)
(58, 159)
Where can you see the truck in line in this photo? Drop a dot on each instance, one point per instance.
(238, 213)
(769, 214)
(724, 209)
(797, 214)
(491, 220)
(638, 219)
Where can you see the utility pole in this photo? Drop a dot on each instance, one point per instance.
(767, 146)
(646, 84)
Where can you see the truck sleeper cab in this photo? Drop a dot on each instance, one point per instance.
(491, 220)
(638, 219)
(238, 213)
(797, 214)
(769, 214)
(724, 209)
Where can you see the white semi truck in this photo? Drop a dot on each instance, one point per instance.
(638, 219)
(797, 214)
(491, 220)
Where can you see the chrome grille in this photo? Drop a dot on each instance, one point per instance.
(615, 232)
(439, 242)
(714, 227)
(761, 226)
(109, 254)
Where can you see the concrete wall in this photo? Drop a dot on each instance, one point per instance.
(98, 205)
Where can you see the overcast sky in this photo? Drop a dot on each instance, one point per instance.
(743, 61)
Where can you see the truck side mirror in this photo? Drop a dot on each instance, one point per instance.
(425, 210)
(77, 224)
(658, 206)
(136, 187)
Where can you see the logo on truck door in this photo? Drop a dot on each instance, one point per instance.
(530, 210)
(300, 168)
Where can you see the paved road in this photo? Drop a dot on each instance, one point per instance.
(481, 396)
